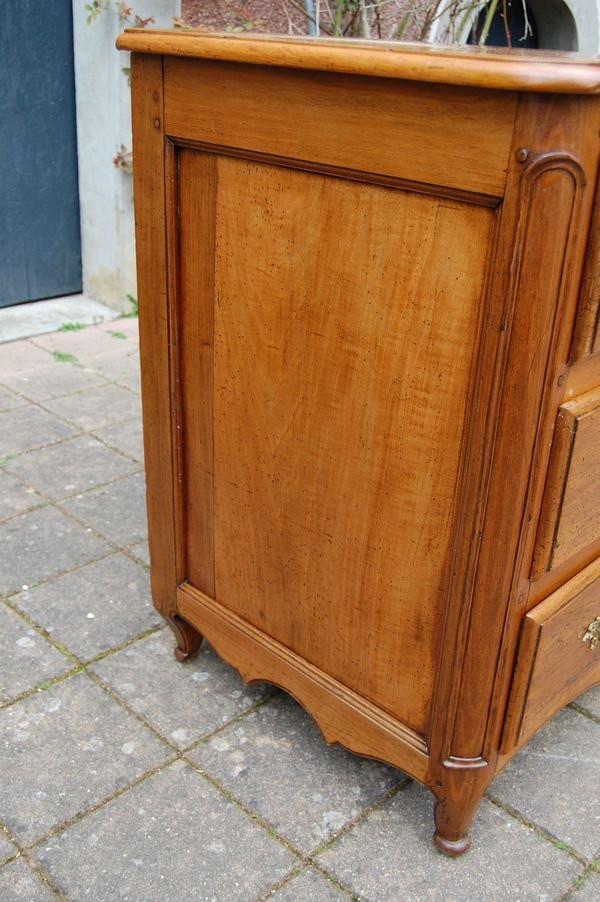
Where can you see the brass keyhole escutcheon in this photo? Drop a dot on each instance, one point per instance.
(592, 633)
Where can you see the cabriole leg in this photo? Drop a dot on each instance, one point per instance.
(188, 638)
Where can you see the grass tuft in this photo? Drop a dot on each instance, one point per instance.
(134, 308)
(61, 357)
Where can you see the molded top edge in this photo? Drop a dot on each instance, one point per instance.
(479, 67)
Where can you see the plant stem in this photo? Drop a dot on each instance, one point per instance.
(338, 17)
(491, 12)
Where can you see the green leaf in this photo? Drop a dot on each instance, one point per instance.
(134, 308)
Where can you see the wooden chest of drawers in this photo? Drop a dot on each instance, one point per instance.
(369, 287)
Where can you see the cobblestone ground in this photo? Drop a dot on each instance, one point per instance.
(128, 776)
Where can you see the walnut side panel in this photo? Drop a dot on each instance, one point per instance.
(345, 331)
(298, 115)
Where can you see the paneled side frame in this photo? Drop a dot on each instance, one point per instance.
(153, 185)
(196, 161)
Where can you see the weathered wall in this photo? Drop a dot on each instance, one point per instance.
(103, 123)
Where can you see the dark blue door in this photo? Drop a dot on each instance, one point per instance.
(40, 255)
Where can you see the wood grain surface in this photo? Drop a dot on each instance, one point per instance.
(437, 135)
(339, 555)
(570, 518)
(485, 67)
(357, 332)
(554, 663)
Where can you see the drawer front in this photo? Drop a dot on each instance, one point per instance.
(559, 655)
(570, 516)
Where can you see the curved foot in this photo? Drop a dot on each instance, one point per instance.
(452, 847)
(188, 638)
(454, 812)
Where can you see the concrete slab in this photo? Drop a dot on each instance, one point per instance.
(117, 510)
(589, 889)
(40, 544)
(172, 837)
(310, 886)
(93, 408)
(15, 497)
(306, 790)
(24, 320)
(125, 437)
(90, 343)
(59, 377)
(74, 465)
(95, 607)
(9, 400)
(182, 701)
(66, 749)
(555, 781)
(25, 428)
(26, 658)
(19, 883)
(7, 849)
(390, 857)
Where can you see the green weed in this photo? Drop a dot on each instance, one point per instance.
(61, 357)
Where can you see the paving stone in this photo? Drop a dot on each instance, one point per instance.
(555, 781)
(41, 544)
(85, 344)
(123, 368)
(278, 763)
(589, 891)
(8, 400)
(26, 658)
(18, 883)
(50, 381)
(29, 427)
(66, 749)
(14, 496)
(390, 856)
(591, 701)
(125, 437)
(7, 850)
(117, 511)
(309, 886)
(94, 408)
(141, 552)
(21, 355)
(71, 466)
(183, 701)
(172, 837)
(95, 607)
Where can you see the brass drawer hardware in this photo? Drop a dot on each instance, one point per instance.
(592, 633)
